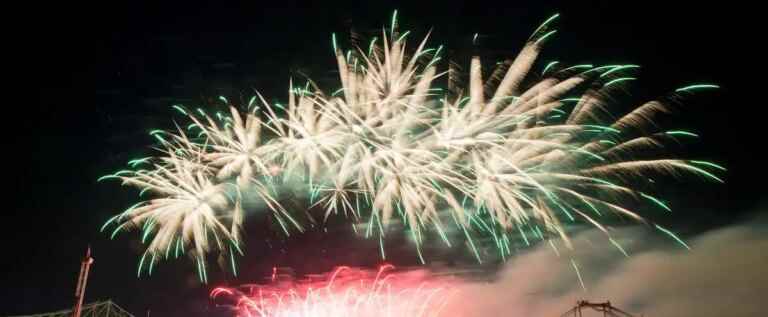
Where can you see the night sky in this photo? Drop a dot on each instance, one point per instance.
(88, 82)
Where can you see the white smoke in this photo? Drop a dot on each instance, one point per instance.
(725, 274)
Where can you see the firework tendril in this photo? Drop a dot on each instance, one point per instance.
(511, 154)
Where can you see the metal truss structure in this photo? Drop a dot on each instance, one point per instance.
(605, 308)
(98, 309)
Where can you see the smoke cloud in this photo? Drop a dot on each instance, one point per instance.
(724, 274)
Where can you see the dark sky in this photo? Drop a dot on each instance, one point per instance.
(88, 82)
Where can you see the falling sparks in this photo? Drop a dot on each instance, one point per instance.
(392, 146)
(578, 274)
(344, 292)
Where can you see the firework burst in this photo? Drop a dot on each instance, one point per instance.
(345, 292)
(506, 154)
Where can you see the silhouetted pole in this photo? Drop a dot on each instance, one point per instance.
(82, 279)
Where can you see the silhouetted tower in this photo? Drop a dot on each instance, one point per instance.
(82, 279)
(606, 308)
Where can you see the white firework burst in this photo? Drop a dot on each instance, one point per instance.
(507, 153)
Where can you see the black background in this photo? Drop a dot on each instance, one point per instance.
(86, 82)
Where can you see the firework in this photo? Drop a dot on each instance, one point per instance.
(345, 292)
(191, 208)
(509, 153)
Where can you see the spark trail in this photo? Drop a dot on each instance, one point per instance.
(503, 155)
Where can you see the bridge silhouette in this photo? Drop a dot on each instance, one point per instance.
(605, 308)
(110, 309)
(98, 309)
